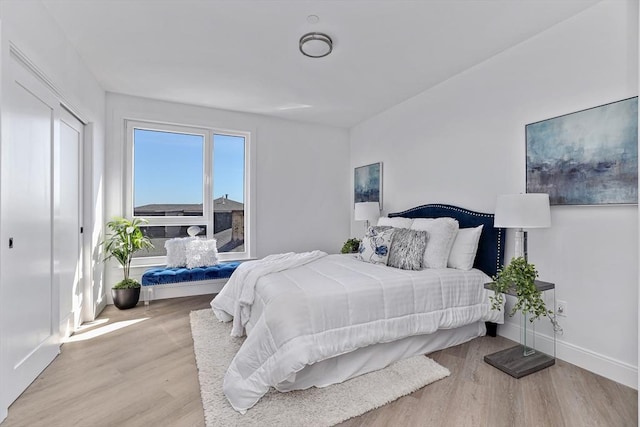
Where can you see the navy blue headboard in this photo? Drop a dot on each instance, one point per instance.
(490, 256)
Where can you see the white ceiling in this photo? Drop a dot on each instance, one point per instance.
(243, 55)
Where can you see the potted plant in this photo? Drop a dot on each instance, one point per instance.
(518, 278)
(123, 240)
(350, 246)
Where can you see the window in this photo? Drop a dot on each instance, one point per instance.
(181, 176)
(228, 192)
(167, 173)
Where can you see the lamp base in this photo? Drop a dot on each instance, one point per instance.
(366, 227)
(521, 244)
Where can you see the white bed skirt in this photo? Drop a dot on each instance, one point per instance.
(372, 358)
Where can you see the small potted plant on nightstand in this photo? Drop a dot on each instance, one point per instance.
(124, 239)
(519, 278)
(350, 246)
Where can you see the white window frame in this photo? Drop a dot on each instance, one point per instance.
(207, 188)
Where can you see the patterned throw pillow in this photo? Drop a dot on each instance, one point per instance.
(374, 247)
(407, 249)
(202, 253)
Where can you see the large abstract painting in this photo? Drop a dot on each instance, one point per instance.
(586, 158)
(367, 182)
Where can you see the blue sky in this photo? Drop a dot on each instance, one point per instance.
(168, 167)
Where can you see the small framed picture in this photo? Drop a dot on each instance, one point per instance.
(367, 183)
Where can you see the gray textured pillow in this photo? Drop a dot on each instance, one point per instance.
(407, 249)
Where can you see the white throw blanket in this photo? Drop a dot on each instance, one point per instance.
(235, 299)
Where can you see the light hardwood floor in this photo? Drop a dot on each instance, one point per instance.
(144, 374)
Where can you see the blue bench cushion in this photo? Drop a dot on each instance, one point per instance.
(163, 275)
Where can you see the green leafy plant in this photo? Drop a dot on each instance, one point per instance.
(519, 279)
(123, 240)
(350, 246)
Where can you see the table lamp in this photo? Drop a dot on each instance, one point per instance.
(367, 211)
(522, 212)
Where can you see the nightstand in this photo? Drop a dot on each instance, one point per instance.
(513, 360)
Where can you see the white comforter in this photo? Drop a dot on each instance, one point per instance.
(236, 298)
(335, 305)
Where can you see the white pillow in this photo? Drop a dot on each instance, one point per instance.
(465, 246)
(396, 222)
(442, 233)
(177, 251)
(202, 253)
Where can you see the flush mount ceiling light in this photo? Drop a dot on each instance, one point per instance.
(316, 45)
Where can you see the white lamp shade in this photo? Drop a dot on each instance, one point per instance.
(367, 211)
(530, 210)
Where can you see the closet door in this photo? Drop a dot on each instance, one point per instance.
(29, 298)
(67, 244)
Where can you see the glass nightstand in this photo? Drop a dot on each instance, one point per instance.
(525, 359)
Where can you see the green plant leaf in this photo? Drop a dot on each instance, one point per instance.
(127, 284)
(350, 246)
(123, 239)
(519, 278)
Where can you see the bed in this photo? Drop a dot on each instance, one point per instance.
(315, 319)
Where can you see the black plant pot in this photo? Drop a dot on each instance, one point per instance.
(125, 298)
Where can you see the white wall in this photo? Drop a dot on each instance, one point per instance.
(462, 142)
(302, 172)
(29, 27)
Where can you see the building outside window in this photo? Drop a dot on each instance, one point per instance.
(182, 176)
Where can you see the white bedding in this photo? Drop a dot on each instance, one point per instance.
(235, 300)
(337, 304)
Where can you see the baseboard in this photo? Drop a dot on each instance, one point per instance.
(608, 367)
(66, 326)
(3, 413)
(101, 305)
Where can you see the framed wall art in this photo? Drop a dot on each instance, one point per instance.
(589, 157)
(367, 183)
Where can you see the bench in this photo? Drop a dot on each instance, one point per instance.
(200, 280)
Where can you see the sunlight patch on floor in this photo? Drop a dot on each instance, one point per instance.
(89, 325)
(103, 330)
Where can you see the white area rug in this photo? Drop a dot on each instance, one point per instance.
(214, 349)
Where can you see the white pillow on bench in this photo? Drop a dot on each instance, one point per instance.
(177, 251)
(201, 253)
